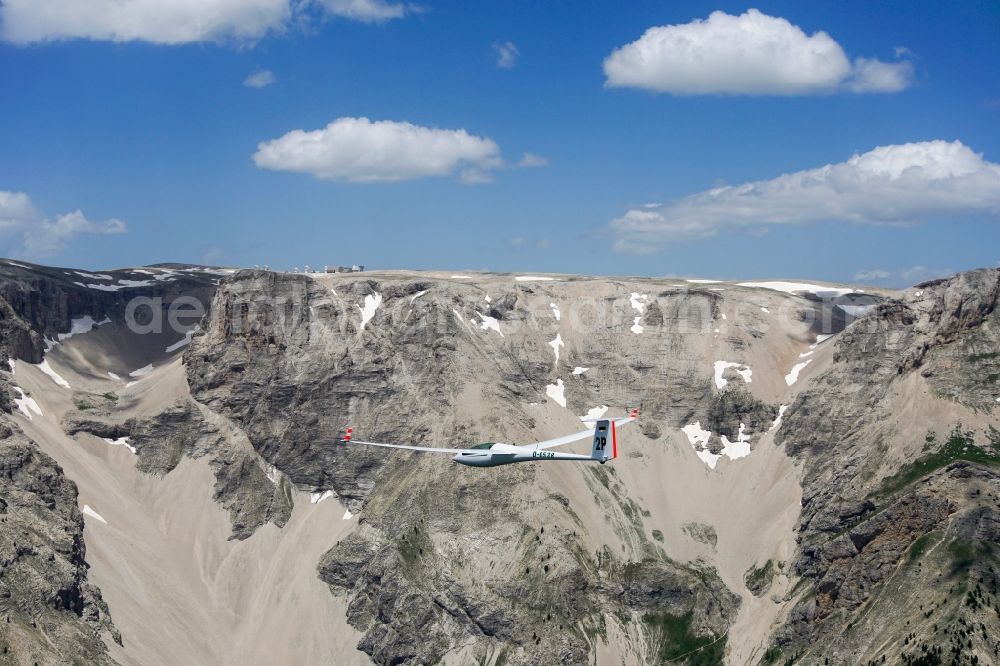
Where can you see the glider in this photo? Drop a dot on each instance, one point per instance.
(604, 446)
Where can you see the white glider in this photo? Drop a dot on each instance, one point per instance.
(492, 454)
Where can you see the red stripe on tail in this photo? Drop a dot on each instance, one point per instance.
(614, 441)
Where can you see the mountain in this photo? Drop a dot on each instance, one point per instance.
(813, 478)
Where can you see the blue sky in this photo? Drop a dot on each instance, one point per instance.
(162, 138)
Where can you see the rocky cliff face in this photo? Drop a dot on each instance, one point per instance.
(48, 609)
(690, 548)
(900, 500)
(443, 559)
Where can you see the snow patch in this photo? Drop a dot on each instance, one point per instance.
(142, 372)
(183, 342)
(416, 295)
(489, 323)
(316, 498)
(10, 362)
(557, 392)
(26, 404)
(372, 301)
(99, 287)
(87, 511)
(579, 371)
(723, 315)
(122, 284)
(461, 277)
(795, 287)
(793, 376)
(765, 310)
(527, 278)
(742, 370)
(594, 413)
(459, 315)
(121, 441)
(699, 281)
(556, 344)
(47, 369)
(488, 299)
(555, 311)
(81, 325)
(95, 276)
(698, 439)
(113, 376)
(347, 514)
(777, 421)
(738, 449)
(639, 302)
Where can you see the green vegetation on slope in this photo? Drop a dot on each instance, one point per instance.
(960, 446)
(677, 644)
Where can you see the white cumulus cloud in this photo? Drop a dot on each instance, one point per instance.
(871, 275)
(176, 21)
(24, 230)
(262, 78)
(158, 21)
(363, 151)
(507, 54)
(16, 211)
(749, 54)
(530, 161)
(904, 183)
(368, 11)
(902, 277)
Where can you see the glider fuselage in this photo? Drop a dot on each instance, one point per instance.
(507, 454)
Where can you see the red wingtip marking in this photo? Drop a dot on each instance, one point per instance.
(614, 441)
(348, 434)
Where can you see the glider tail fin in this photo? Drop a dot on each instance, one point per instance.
(605, 445)
(347, 436)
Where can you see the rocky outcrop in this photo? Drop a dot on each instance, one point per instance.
(254, 493)
(49, 612)
(39, 302)
(864, 510)
(506, 567)
(735, 408)
(48, 609)
(437, 562)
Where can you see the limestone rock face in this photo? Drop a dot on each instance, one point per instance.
(444, 557)
(48, 609)
(893, 482)
(783, 495)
